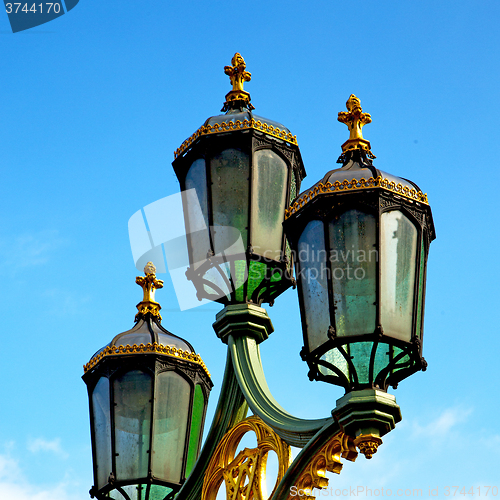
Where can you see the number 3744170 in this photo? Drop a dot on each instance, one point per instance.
(40, 8)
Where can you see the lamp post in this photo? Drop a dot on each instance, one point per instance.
(359, 241)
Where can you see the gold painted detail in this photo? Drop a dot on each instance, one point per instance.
(244, 474)
(149, 284)
(238, 75)
(326, 460)
(355, 185)
(368, 444)
(355, 119)
(217, 128)
(146, 348)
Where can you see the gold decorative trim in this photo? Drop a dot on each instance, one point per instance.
(327, 459)
(355, 185)
(368, 444)
(146, 348)
(237, 125)
(245, 475)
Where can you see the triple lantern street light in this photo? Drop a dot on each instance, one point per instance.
(358, 242)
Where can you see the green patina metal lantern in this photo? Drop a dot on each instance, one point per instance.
(148, 393)
(361, 239)
(238, 173)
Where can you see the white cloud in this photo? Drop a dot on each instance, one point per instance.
(26, 250)
(14, 486)
(41, 444)
(443, 424)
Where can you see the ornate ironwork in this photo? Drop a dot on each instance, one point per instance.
(217, 128)
(146, 348)
(327, 459)
(244, 474)
(356, 185)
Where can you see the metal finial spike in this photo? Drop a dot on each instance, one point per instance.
(355, 119)
(149, 284)
(237, 98)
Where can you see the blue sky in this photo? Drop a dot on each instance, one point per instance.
(94, 104)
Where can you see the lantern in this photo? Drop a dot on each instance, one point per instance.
(148, 393)
(361, 239)
(238, 173)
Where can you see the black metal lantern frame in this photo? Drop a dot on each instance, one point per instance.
(113, 363)
(369, 191)
(277, 275)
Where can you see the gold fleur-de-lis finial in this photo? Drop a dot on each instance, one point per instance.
(149, 284)
(237, 98)
(355, 119)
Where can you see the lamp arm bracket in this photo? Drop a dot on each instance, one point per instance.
(249, 372)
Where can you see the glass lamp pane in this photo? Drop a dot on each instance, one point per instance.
(132, 395)
(353, 258)
(398, 245)
(171, 417)
(195, 205)
(313, 278)
(230, 193)
(102, 429)
(268, 203)
(420, 306)
(196, 427)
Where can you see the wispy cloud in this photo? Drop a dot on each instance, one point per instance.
(28, 249)
(43, 445)
(14, 486)
(443, 424)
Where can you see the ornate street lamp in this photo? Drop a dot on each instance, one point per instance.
(361, 237)
(148, 393)
(244, 171)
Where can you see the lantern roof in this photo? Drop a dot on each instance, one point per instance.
(357, 172)
(238, 113)
(148, 335)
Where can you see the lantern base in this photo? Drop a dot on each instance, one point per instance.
(367, 415)
(247, 319)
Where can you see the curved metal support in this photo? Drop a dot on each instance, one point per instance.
(231, 409)
(250, 374)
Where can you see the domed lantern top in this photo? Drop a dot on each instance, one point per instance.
(238, 172)
(148, 393)
(361, 237)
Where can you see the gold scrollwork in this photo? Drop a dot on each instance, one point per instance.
(218, 128)
(354, 185)
(244, 474)
(326, 460)
(146, 348)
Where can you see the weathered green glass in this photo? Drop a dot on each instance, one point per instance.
(313, 269)
(230, 184)
(102, 430)
(353, 261)
(196, 210)
(420, 305)
(172, 397)
(196, 428)
(268, 203)
(132, 416)
(398, 248)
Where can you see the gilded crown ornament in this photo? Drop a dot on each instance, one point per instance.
(355, 119)
(237, 98)
(149, 284)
